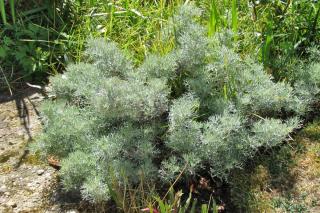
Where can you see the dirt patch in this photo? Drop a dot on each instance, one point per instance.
(23, 185)
(19, 124)
(283, 180)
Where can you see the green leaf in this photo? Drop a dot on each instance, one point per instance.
(161, 204)
(7, 41)
(3, 52)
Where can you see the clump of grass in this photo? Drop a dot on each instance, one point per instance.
(5, 168)
(34, 159)
(312, 131)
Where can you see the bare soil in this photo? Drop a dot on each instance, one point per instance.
(26, 183)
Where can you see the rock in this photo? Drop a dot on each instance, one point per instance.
(12, 114)
(36, 96)
(12, 204)
(40, 172)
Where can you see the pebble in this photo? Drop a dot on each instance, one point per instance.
(48, 175)
(72, 211)
(3, 189)
(40, 172)
(3, 125)
(2, 117)
(26, 137)
(30, 185)
(2, 200)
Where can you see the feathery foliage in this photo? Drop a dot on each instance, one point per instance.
(201, 107)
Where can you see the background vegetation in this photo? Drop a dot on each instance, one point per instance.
(40, 37)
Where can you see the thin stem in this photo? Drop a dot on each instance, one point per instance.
(7, 82)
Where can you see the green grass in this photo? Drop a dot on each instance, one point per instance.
(135, 25)
(214, 18)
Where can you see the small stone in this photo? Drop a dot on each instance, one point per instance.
(3, 125)
(36, 196)
(7, 194)
(12, 114)
(3, 189)
(55, 208)
(26, 137)
(2, 200)
(20, 132)
(40, 172)
(2, 117)
(12, 204)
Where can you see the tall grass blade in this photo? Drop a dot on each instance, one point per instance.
(267, 45)
(214, 18)
(266, 49)
(13, 13)
(162, 206)
(193, 207)
(3, 12)
(204, 208)
(234, 23)
(112, 10)
(214, 206)
(33, 11)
